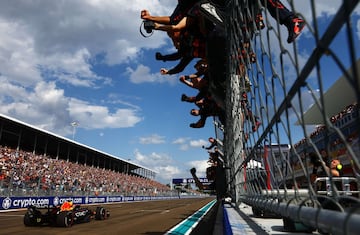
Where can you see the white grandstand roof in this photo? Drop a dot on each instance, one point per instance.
(336, 98)
(77, 143)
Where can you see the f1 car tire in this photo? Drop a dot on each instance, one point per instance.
(29, 220)
(32, 219)
(64, 219)
(100, 213)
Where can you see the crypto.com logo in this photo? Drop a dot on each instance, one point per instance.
(6, 204)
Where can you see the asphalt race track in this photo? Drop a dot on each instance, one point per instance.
(146, 218)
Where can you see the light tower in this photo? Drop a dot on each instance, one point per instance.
(74, 125)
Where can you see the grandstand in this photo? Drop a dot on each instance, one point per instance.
(35, 162)
(19, 135)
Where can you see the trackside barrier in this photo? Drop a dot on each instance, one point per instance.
(328, 221)
(8, 203)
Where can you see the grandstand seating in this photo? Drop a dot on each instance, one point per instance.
(26, 173)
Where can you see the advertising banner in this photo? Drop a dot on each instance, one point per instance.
(8, 203)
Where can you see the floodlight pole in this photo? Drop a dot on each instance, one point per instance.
(74, 125)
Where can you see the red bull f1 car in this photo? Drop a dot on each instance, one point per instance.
(55, 216)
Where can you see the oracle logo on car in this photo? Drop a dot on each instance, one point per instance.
(80, 213)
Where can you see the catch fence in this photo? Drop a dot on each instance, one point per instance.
(291, 109)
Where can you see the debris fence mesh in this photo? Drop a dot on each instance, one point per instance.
(291, 110)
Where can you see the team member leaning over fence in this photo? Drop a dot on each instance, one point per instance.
(248, 114)
(188, 47)
(284, 16)
(207, 107)
(198, 80)
(198, 183)
(199, 38)
(179, 12)
(183, 28)
(213, 143)
(215, 173)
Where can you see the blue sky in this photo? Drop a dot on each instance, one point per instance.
(85, 61)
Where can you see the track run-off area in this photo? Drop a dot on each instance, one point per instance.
(127, 218)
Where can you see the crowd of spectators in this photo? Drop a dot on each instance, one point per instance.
(337, 147)
(31, 174)
(348, 110)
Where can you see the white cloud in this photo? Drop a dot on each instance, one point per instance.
(47, 43)
(183, 143)
(180, 141)
(198, 143)
(143, 74)
(153, 139)
(47, 107)
(167, 173)
(69, 26)
(161, 163)
(72, 68)
(184, 147)
(44, 107)
(97, 117)
(186, 143)
(21, 63)
(115, 99)
(17, 57)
